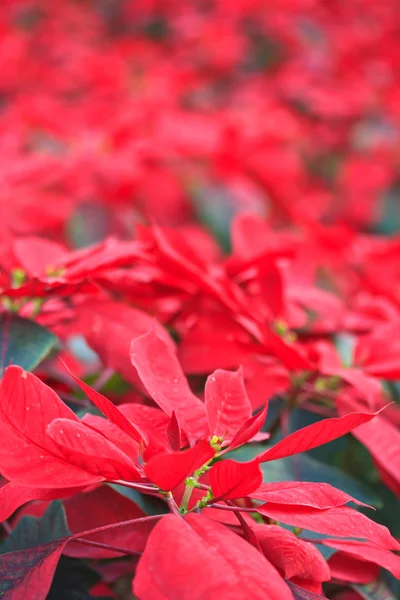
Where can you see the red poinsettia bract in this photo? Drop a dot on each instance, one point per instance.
(177, 452)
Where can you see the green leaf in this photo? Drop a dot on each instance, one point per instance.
(377, 590)
(389, 513)
(89, 224)
(215, 210)
(31, 532)
(23, 342)
(72, 581)
(149, 504)
(392, 583)
(305, 468)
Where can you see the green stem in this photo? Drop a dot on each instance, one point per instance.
(193, 482)
(190, 486)
(37, 304)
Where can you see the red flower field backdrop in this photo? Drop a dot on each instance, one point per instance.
(199, 300)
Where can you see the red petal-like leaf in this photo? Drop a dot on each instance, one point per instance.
(152, 421)
(345, 567)
(369, 387)
(368, 552)
(230, 479)
(100, 507)
(249, 429)
(315, 495)
(168, 470)
(36, 254)
(108, 409)
(291, 555)
(110, 327)
(315, 435)
(28, 573)
(228, 406)
(27, 454)
(207, 563)
(162, 376)
(114, 435)
(379, 351)
(339, 521)
(174, 433)
(89, 450)
(14, 495)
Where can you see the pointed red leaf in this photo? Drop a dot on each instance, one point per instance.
(379, 351)
(207, 563)
(230, 479)
(168, 470)
(27, 454)
(149, 419)
(14, 495)
(174, 433)
(339, 521)
(291, 555)
(316, 435)
(114, 435)
(28, 573)
(369, 387)
(108, 409)
(249, 429)
(315, 495)
(35, 254)
(109, 328)
(162, 376)
(369, 552)
(99, 507)
(89, 450)
(228, 406)
(131, 534)
(348, 568)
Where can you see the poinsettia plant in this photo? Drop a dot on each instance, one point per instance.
(220, 511)
(199, 300)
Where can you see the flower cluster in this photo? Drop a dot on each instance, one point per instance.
(199, 301)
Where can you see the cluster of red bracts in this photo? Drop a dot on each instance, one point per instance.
(277, 125)
(177, 452)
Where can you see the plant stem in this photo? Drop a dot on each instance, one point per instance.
(147, 489)
(187, 495)
(116, 525)
(232, 508)
(107, 547)
(6, 527)
(103, 378)
(172, 505)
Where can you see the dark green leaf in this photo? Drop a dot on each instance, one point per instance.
(215, 210)
(72, 581)
(23, 342)
(388, 514)
(300, 594)
(392, 583)
(90, 224)
(31, 532)
(149, 504)
(376, 590)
